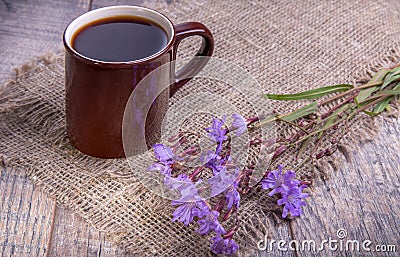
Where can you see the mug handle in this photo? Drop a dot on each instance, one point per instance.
(195, 65)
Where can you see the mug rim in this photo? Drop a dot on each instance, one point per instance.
(68, 45)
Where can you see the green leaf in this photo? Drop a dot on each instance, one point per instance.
(310, 94)
(304, 147)
(390, 80)
(395, 71)
(331, 119)
(329, 122)
(380, 75)
(393, 75)
(365, 93)
(369, 113)
(266, 120)
(311, 108)
(344, 108)
(384, 104)
(389, 92)
(381, 106)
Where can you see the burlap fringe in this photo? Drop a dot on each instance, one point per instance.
(49, 121)
(120, 210)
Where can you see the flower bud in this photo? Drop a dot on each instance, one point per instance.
(270, 142)
(231, 232)
(281, 149)
(320, 155)
(228, 214)
(174, 138)
(327, 152)
(306, 182)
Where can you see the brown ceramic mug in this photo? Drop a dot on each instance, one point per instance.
(97, 91)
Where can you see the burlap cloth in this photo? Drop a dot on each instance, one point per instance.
(289, 46)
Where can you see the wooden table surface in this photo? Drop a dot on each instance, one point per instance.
(362, 196)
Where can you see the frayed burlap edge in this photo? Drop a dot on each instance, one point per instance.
(11, 98)
(124, 184)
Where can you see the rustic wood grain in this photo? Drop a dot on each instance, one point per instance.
(72, 236)
(31, 28)
(26, 214)
(101, 3)
(362, 197)
(395, 4)
(30, 223)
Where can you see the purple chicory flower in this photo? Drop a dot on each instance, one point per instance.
(186, 212)
(213, 161)
(180, 182)
(292, 199)
(223, 246)
(190, 205)
(210, 222)
(232, 196)
(164, 154)
(217, 133)
(221, 181)
(166, 159)
(189, 192)
(162, 168)
(279, 181)
(239, 123)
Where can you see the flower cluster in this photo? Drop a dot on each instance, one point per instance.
(226, 182)
(290, 189)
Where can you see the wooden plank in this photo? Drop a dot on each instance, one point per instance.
(396, 5)
(28, 30)
(31, 28)
(101, 3)
(26, 214)
(355, 198)
(28, 219)
(362, 197)
(280, 231)
(72, 236)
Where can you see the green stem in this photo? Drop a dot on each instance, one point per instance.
(368, 85)
(329, 112)
(279, 117)
(293, 124)
(341, 120)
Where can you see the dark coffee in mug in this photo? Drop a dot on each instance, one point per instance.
(109, 51)
(120, 39)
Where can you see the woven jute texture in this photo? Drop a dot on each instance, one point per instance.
(288, 46)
